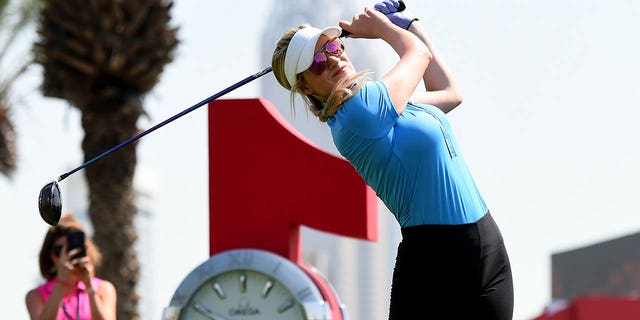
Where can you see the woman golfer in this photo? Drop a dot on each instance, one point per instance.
(451, 262)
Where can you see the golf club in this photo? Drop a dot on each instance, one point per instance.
(50, 197)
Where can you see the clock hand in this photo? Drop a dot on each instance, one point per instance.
(202, 309)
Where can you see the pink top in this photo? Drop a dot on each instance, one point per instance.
(70, 302)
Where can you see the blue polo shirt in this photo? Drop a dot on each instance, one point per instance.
(411, 160)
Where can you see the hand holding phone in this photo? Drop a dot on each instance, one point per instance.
(75, 240)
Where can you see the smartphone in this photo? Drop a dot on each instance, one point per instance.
(75, 239)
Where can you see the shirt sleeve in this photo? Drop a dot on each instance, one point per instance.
(370, 113)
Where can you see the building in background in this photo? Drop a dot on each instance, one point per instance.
(601, 278)
(359, 270)
(610, 268)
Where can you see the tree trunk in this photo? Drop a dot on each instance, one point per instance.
(112, 201)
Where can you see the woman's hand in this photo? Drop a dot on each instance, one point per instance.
(370, 24)
(65, 268)
(393, 10)
(83, 268)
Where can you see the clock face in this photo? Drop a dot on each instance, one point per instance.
(243, 294)
(247, 284)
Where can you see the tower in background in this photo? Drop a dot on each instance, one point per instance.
(359, 270)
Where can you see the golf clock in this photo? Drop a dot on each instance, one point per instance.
(248, 284)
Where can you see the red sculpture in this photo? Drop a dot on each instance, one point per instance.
(266, 180)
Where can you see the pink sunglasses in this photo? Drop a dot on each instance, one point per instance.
(334, 48)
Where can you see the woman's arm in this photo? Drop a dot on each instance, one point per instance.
(43, 311)
(103, 301)
(403, 78)
(441, 88)
(34, 304)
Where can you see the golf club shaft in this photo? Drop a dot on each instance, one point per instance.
(161, 124)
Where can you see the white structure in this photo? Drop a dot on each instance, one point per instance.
(359, 270)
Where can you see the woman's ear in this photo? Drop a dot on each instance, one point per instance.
(305, 90)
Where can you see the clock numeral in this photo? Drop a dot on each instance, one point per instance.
(286, 306)
(266, 289)
(219, 291)
(304, 294)
(243, 283)
(241, 259)
(276, 267)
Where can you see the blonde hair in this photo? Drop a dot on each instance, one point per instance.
(342, 91)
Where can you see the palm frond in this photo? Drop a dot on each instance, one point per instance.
(15, 17)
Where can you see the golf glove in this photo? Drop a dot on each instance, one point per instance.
(402, 19)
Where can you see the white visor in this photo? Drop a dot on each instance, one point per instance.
(301, 49)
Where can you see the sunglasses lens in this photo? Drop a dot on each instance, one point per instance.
(50, 203)
(319, 64)
(334, 47)
(57, 249)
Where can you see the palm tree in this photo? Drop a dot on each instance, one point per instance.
(14, 18)
(102, 56)
(7, 141)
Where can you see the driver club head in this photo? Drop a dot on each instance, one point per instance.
(50, 203)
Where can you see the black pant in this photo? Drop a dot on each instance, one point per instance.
(455, 272)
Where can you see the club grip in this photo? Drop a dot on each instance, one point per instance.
(401, 7)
